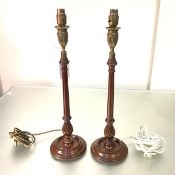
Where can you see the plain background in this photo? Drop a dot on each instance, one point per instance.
(30, 53)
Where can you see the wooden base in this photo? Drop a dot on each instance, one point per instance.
(107, 150)
(62, 151)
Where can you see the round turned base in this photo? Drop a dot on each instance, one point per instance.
(62, 151)
(116, 151)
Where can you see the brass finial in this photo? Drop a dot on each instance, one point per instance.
(113, 18)
(61, 17)
(112, 36)
(62, 28)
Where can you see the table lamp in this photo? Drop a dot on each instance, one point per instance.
(68, 146)
(109, 148)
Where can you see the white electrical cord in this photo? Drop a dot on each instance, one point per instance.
(148, 142)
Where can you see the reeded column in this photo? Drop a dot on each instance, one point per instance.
(68, 146)
(109, 148)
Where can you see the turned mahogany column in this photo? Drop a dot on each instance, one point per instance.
(109, 148)
(68, 146)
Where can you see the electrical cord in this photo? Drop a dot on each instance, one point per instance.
(26, 138)
(148, 142)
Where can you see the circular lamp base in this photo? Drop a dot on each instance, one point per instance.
(114, 153)
(73, 150)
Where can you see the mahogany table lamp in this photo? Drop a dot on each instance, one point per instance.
(109, 148)
(68, 146)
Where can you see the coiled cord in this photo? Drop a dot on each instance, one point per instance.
(26, 138)
(149, 143)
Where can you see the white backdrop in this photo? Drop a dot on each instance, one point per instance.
(164, 64)
(29, 50)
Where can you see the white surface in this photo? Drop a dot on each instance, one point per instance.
(38, 109)
(30, 51)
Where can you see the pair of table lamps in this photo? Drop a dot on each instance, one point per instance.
(69, 146)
